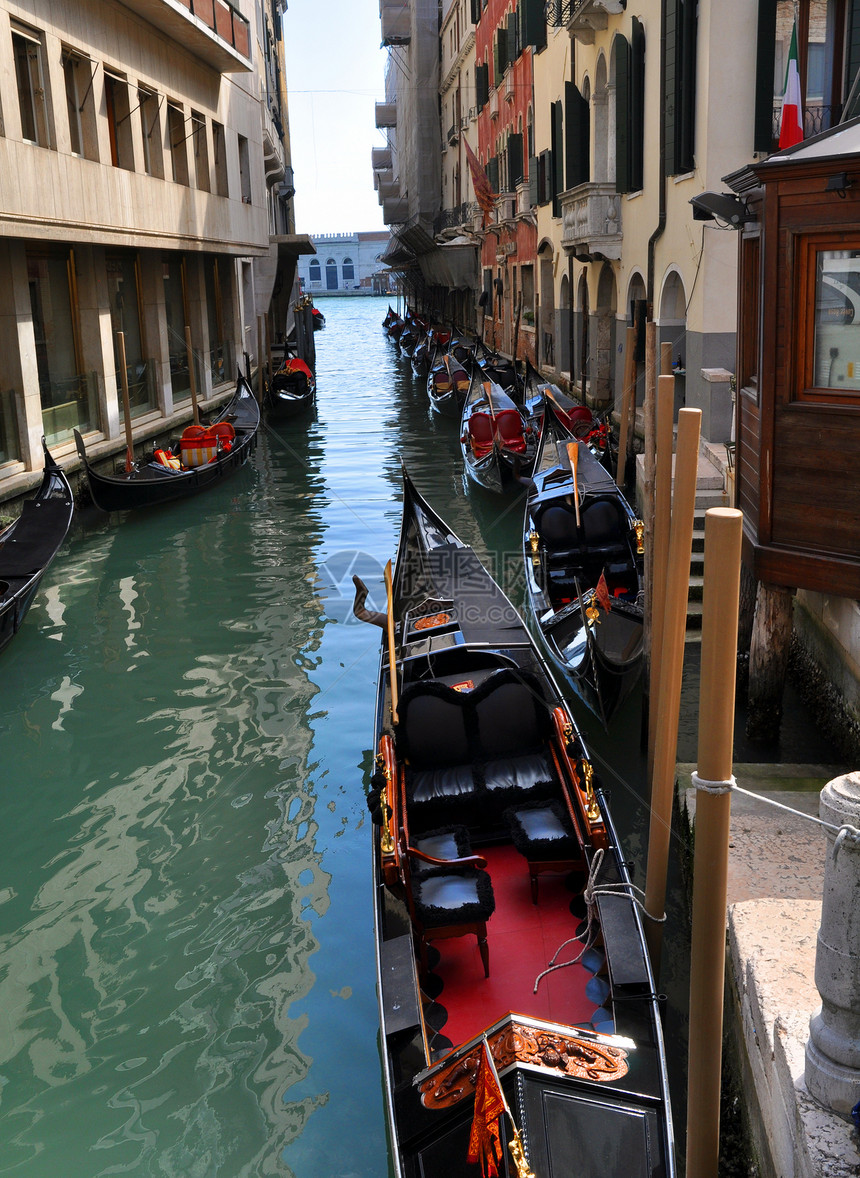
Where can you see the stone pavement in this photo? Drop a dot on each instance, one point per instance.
(776, 871)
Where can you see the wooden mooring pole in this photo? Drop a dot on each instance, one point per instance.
(192, 375)
(628, 398)
(723, 534)
(660, 556)
(671, 669)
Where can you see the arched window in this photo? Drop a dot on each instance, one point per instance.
(331, 274)
(348, 270)
(314, 272)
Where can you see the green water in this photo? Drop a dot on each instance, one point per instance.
(187, 984)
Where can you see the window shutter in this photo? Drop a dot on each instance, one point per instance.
(670, 87)
(533, 24)
(637, 106)
(515, 160)
(476, 11)
(852, 60)
(622, 115)
(557, 174)
(533, 181)
(764, 67)
(482, 74)
(512, 47)
(577, 135)
(492, 171)
(680, 85)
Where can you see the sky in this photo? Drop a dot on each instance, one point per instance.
(335, 74)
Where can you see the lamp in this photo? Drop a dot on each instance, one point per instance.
(838, 183)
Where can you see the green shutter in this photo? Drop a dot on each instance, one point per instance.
(577, 135)
(482, 83)
(622, 115)
(512, 37)
(515, 160)
(670, 86)
(533, 24)
(476, 11)
(557, 173)
(764, 67)
(637, 107)
(533, 182)
(492, 171)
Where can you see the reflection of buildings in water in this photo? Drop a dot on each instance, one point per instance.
(169, 934)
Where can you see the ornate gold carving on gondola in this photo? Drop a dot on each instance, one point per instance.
(534, 544)
(639, 529)
(592, 809)
(431, 621)
(552, 1051)
(386, 840)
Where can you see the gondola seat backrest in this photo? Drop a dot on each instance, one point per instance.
(480, 434)
(556, 526)
(509, 427)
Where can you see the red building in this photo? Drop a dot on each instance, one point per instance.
(505, 40)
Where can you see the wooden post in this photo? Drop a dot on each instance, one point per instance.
(628, 394)
(769, 649)
(126, 401)
(662, 524)
(671, 668)
(665, 359)
(192, 375)
(723, 533)
(648, 476)
(268, 348)
(260, 358)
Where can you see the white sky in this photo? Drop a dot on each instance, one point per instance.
(335, 74)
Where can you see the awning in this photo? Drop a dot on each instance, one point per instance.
(293, 244)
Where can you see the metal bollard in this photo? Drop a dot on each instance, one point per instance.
(832, 1069)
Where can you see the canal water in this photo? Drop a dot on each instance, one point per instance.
(186, 946)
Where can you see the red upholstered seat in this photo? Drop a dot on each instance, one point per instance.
(509, 426)
(481, 434)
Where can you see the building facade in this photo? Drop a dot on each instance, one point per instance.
(145, 187)
(345, 263)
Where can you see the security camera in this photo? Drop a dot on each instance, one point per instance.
(724, 206)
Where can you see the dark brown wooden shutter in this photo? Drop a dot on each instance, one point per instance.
(622, 115)
(577, 135)
(764, 66)
(557, 156)
(636, 142)
(515, 160)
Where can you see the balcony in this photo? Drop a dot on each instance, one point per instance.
(493, 104)
(583, 18)
(508, 86)
(453, 134)
(395, 211)
(453, 221)
(396, 21)
(386, 115)
(591, 221)
(380, 159)
(212, 30)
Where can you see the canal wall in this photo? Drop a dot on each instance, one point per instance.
(775, 886)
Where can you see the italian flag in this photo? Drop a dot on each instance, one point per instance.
(790, 127)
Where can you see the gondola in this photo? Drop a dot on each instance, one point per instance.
(583, 549)
(509, 946)
(583, 423)
(447, 385)
(317, 318)
(162, 477)
(30, 543)
(495, 439)
(291, 390)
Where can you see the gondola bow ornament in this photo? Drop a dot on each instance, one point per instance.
(490, 1105)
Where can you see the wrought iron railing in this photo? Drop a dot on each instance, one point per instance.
(815, 119)
(452, 218)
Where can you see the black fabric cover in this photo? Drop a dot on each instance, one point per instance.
(541, 830)
(443, 897)
(517, 775)
(448, 842)
(34, 540)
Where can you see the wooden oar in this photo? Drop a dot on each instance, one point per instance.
(573, 455)
(392, 661)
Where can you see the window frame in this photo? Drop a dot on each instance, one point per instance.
(37, 93)
(808, 247)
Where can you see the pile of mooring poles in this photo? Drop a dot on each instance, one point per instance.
(670, 513)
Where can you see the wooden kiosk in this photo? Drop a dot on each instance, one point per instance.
(798, 400)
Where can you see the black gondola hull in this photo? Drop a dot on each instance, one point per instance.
(150, 485)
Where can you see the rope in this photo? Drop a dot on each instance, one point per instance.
(844, 833)
(590, 892)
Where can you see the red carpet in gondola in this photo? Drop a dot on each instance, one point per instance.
(522, 938)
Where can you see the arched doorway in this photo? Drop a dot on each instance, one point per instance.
(582, 334)
(672, 330)
(636, 309)
(546, 343)
(564, 327)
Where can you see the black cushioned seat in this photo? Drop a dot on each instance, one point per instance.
(449, 842)
(543, 835)
(453, 904)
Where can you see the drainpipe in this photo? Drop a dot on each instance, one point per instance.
(661, 218)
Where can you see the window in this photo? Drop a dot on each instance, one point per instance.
(119, 124)
(331, 274)
(244, 170)
(829, 277)
(150, 129)
(66, 395)
(219, 152)
(123, 281)
(217, 297)
(177, 141)
(30, 75)
(78, 73)
(628, 62)
(201, 150)
(348, 270)
(176, 314)
(314, 272)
